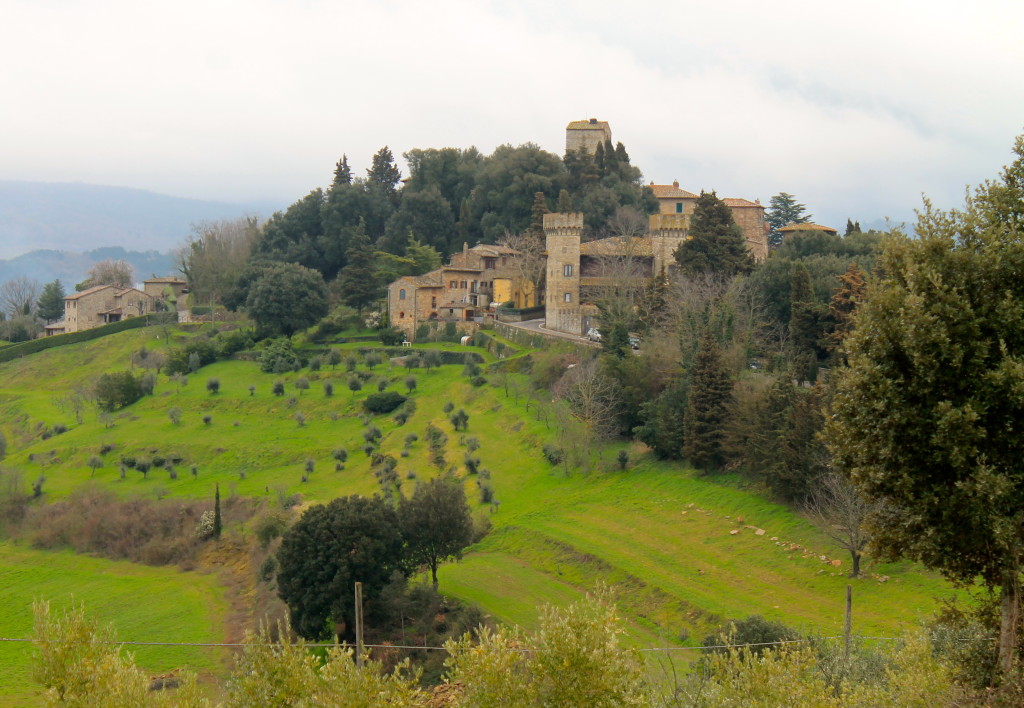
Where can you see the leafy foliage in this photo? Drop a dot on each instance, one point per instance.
(117, 390)
(287, 298)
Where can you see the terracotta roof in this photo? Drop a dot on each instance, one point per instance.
(87, 291)
(493, 249)
(617, 246)
(737, 202)
(165, 279)
(587, 125)
(807, 227)
(433, 278)
(671, 191)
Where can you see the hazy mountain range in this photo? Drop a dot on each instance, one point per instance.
(57, 230)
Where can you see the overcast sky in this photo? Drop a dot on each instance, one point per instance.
(856, 108)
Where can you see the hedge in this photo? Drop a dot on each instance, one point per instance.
(447, 357)
(37, 345)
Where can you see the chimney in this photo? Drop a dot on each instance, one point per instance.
(593, 121)
(675, 184)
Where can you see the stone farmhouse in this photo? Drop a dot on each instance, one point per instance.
(461, 291)
(791, 228)
(103, 304)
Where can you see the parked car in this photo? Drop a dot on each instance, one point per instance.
(593, 335)
(634, 341)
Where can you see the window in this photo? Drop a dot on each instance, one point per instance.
(433, 302)
(401, 315)
(463, 285)
(401, 294)
(453, 285)
(567, 297)
(679, 207)
(489, 263)
(567, 271)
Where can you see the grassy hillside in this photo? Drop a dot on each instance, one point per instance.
(144, 604)
(684, 551)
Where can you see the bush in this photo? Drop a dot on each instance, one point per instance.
(754, 634)
(278, 388)
(384, 402)
(269, 527)
(207, 418)
(554, 455)
(278, 357)
(622, 459)
(478, 381)
(175, 415)
(391, 337)
(118, 390)
(328, 389)
(213, 385)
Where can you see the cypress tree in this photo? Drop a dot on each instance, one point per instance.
(540, 208)
(716, 244)
(217, 523)
(564, 202)
(706, 412)
(803, 324)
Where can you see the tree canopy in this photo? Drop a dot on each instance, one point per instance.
(716, 244)
(436, 523)
(784, 209)
(286, 298)
(928, 416)
(327, 551)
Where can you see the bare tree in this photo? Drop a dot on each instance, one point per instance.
(215, 254)
(842, 513)
(593, 401)
(18, 296)
(109, 272)
(529, 266)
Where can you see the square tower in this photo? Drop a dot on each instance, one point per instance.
(586, 135)
(562, 288)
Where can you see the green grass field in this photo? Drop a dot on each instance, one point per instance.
(657, 532)
(143, 603)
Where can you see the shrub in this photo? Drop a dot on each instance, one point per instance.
(448, 407)
(382, 384)
(268, 568)
(754, 634)
(278, 388)
(278, 357)
(391, 337)
(300, 419)
(316, 363)
(159, 461)
(478, 381)
(302, 383)
(622, 459)
(269, 527)
(147, 382)
(207, 418)
(117, 390)
(486, 493)
(252, 389)
(328, 389)
(411, 438)
(340, 454)
(554, 455)
(175, 415)
(213, 385)
(383, 402)
(128, 461)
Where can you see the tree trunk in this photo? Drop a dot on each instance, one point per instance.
(433, 573)
(1010, 611)
(855, 571)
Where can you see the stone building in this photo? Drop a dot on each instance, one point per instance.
(166, 288)
(102, 305)
(749, 216)
(587, 135)
(462, 291)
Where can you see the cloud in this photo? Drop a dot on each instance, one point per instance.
(856, 109)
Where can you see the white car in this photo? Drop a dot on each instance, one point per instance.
(593, 335)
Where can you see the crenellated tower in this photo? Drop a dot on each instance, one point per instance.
(562, 234)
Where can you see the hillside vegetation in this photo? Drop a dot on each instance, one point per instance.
(684, 552)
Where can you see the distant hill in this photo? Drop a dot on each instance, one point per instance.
(71, 268)
(82, 217)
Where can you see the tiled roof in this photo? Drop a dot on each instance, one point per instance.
(87, 291)
(587, 125)
(807, 227)
(165, 279)
(737, 202)
(671, 191)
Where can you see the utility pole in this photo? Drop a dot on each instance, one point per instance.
(359, 625)
(849, 622)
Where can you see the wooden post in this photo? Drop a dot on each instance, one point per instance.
(359, 625)
(849, 622)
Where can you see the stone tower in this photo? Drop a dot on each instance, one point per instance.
(562, 290)
(586, 134)
(667, 231)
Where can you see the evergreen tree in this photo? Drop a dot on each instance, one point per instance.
(852, 227)
(423, 258)
(707, 409)
(850, 293)
(342, 173)
(564, 202)
(540, 208)
(357, 284)
(804, 329)
(51, 301)
(287, 298)
(664, 427)
(218, 524)
(716, 244)
(385, 174)
(783, 209)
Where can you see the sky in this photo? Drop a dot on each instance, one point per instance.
(855, 108)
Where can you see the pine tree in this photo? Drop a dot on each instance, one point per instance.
(709, 399)
(217, 522)
(664, 421)
(51, 301)
(342, 173)
(716, 244)
(850, 293)
(356, 283)
(385, 174)
(783, 209)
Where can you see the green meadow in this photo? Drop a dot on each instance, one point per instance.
(143, 603)
(683, 552)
